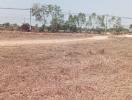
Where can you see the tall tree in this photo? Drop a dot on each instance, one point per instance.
(112, 22)
(41, 13)
(130, 27)
(72, 23)
(89, 23)
(93, 18)
(57, 17)
(118, 24)
(115, 23)
(81, 20)
(101, 21)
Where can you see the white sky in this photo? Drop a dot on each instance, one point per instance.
(112, 7)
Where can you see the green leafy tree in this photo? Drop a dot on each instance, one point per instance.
(101, 21)
(115, 23)
(41, 13)
(112, 22)
(57, 18)
(130, 27)
(89, 23)
(93, 18)
(66, 26)
(81, 20)
(72, 23)
(118, 25)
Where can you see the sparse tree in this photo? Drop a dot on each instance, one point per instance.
(81, 20)
(6, 25)
(89, 23)
(72, 23)
(112, 22)
(118, 25)
(93, 18)
(130, 27)
(57, 17)
(41, 13)
(101, 21)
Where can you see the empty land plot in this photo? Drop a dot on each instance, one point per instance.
(86, 70)
(14, 35)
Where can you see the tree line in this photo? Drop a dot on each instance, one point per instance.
(54, 20)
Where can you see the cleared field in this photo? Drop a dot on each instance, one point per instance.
(10, 35)
(83, 70)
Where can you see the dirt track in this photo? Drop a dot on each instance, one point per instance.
(53, 41)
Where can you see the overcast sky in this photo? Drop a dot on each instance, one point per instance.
(112, 7)
(115, 7)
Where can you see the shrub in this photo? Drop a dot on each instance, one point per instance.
(25, 27)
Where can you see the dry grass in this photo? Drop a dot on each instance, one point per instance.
(13, 35)
(98, 70)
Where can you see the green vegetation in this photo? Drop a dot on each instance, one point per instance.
(53, 20)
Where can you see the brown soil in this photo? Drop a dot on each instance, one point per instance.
(75, 70)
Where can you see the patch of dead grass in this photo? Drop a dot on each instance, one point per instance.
(98, 70)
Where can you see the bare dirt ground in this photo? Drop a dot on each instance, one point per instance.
(49, 41)
(75, 67)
